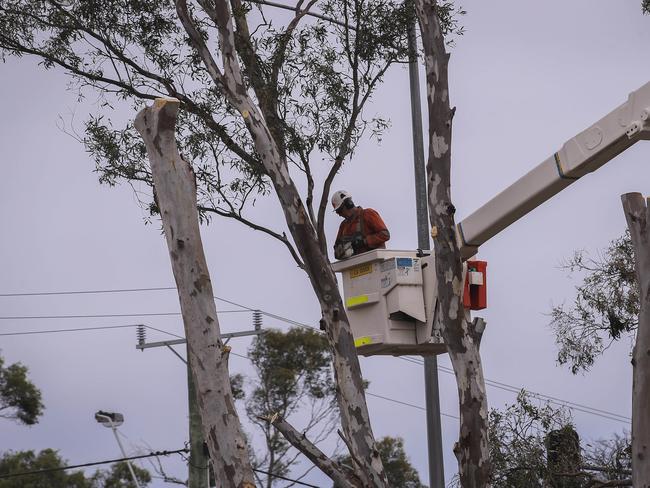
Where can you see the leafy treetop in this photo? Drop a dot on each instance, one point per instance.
(20, 400)
(312, 79)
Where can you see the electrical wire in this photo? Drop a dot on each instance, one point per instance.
(80, 329)
(555, 400)
(393, 400)
(495, 384)
(85, 292)
(77, 329)
(145, 289)
(103, 316)
(96, 463)
(130, 458)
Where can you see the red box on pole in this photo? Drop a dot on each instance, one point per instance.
(475, 294)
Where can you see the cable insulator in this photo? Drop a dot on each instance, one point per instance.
(257, 319)
(141, 333)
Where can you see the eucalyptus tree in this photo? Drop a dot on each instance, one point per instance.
(462, 336)
(637, 215)
(262, 102)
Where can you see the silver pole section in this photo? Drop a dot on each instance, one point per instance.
(431, 392)
(119, 443)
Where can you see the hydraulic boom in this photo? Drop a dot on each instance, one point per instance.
(584, 153)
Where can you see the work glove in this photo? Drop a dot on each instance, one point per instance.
(358, 243)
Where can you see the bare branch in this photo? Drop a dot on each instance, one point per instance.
(315, 455)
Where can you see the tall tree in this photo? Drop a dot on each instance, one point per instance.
(462, 336)
(208, 355)
(637, 214)
(255, 113)
(20, 399)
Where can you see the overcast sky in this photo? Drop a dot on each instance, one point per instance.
(526, 77)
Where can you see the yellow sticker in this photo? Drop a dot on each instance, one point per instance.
(354, 301)
(364, 269)
(362, 341)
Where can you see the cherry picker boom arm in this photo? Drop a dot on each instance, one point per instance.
(584, 153)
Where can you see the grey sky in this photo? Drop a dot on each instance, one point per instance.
(525, 77)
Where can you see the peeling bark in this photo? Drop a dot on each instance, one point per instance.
(355, 419)
(458, 331)
(637, 214)
(175, 187)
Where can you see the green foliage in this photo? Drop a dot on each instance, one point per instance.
(605, 309)
(517, 442)
(19, 399)
(399, 470)
(23, 461)
(313, 82)
(535, 445)
(18, 462)
(119, 476)
(292, 373)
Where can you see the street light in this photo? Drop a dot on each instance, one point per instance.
(113, 420)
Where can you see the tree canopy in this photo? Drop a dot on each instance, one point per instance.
(312, 78)
(20, 399)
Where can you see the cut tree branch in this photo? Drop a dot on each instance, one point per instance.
(315, 455)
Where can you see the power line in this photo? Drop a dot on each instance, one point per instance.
(103, 316)
(285, 478)
(51, 331)
(495, 384)
(558, 401)
(78, 329)
(96, 463)
(81, 329)
(409, 404)
(145, 289)
(85, 292)
(393, 400)
(142, 456)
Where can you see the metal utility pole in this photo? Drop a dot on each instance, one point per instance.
(431, 391)
(199, 472)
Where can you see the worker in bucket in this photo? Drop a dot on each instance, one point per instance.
(362, 229)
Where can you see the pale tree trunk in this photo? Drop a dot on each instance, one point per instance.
(355, 419)
(175, 190)
(460, 335)
(637, 214)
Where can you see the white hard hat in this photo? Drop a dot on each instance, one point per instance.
(338, 198)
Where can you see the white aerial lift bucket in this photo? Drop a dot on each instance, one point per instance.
(389, 299)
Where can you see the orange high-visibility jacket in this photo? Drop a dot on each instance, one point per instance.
(367, 223)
